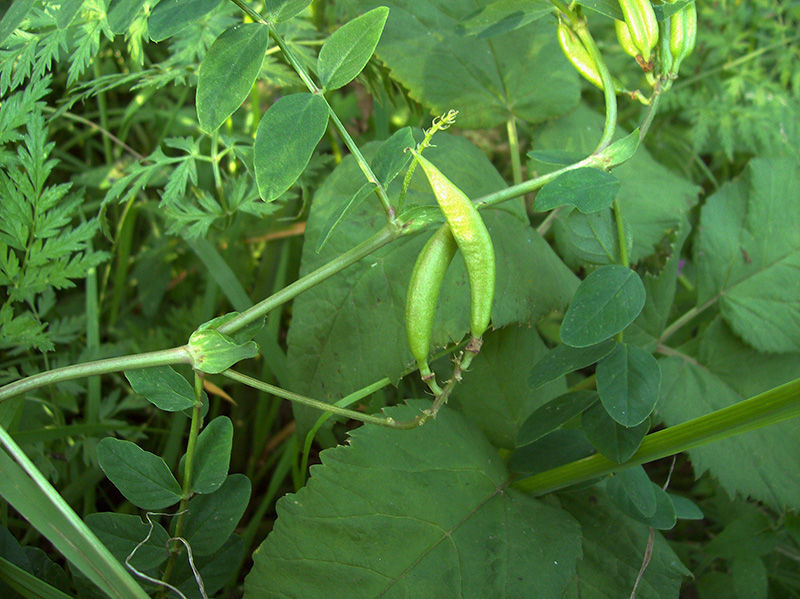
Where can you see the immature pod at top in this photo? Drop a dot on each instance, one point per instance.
(579, 56)
(682, 35)
(641, 21)
(473, 240)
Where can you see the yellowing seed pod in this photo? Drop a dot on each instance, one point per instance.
(641, 20)
(579, 57)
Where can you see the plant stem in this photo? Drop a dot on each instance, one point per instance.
(176, 355)
(342, 403)
(651, 112)
(680, 322)
(770, 407)
(623, 244)
(365, 248)
(513, 148)
(609, 94)
(315, 89)
(321, 405)
(514, 191)
(191, 446)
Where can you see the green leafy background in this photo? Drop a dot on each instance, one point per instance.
(521, 72)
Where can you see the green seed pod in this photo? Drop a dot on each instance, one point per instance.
(423, 293)
(473, 240)
(641, 20)
(579, 57)
(625, 40)
(682, 35)
(665, 59)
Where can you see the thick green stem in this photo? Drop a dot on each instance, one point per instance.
(176, 355)
(770, 407)
(609, 94)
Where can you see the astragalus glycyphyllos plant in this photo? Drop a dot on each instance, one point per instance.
(209, 207)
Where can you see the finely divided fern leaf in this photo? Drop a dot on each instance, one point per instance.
(41, 248)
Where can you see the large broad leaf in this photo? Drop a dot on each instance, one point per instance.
(348, 49)
(654, 200)
(121, 13)
(171, 16)
(762, 463)
(357, 318)
(286, 138)
(522, 72)
(421, 513)
(228, 72)
(501, 16)
(748, 255)
(660, 279)
(614, 550)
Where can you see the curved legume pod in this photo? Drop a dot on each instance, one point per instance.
(473, 240)
(423, 294)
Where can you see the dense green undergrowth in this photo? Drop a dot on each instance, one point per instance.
(208, 208)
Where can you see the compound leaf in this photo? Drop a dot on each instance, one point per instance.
(628, 381)
(228, 72)
(346, 52)
(285, 141)
(606, 302)
(142, 477)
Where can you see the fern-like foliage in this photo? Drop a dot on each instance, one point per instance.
(188, 209)
(41, 246)
(740, 91)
